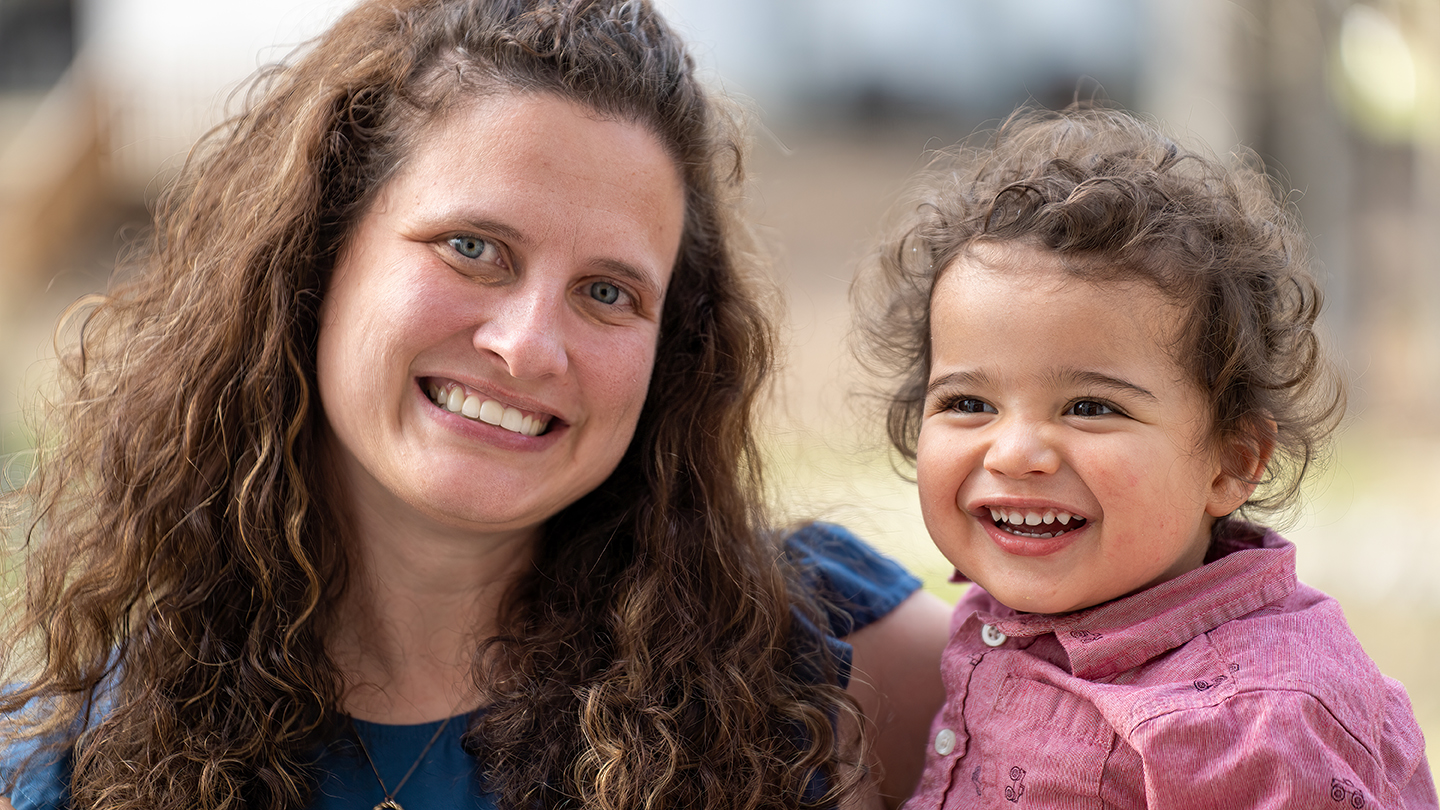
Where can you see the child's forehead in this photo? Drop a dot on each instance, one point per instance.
(1019, 293)
(1032, 264)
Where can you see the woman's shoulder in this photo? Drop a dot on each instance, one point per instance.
(893, 634)
(35, 767)
(35, 776)
(855, 584)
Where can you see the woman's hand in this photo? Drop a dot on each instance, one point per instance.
(896, 679)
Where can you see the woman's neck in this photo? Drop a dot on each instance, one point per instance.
(421, 599)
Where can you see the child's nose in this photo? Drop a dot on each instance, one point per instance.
(1021, 448)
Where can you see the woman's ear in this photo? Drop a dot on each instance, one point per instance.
(1242, 465)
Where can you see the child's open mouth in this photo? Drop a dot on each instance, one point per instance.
(1040, 524)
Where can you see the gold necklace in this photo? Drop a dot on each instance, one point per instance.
(389, 803)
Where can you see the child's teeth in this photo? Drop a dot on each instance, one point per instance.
(471, 408)
(491, 412)
(1025, 519)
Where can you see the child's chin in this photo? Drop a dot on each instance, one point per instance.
(1048, 604)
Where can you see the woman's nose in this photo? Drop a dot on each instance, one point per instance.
(525, 333)
(1021, 448)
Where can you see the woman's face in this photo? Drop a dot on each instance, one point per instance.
(489, 330)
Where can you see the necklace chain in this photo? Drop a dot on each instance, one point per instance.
(389, 803)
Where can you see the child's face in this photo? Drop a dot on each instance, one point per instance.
(1063, 459)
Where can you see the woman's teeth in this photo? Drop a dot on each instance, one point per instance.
(1023, 521)
(455, 400)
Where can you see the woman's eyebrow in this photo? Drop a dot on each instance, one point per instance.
(513, 236)
(453, 217)
(633, 274)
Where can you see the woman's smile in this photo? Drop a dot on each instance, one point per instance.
(455, 398)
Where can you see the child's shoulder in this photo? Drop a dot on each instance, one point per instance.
(1297, 650)
(1296, 688)
(1302, 643)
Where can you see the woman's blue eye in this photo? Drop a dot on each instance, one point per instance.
(604, 292)
(1089, 407)
(471, 247)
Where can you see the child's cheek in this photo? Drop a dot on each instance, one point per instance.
(1120, 473)
(940, 473)
(939, 508)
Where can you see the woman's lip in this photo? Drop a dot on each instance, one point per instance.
(1031, 546)
(487, 432)
(483, 394)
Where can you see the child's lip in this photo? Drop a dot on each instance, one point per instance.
(1039, 519)
(1022, 546)
(1029, 528)
(1029, 511)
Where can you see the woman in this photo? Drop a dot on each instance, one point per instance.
(416, 462)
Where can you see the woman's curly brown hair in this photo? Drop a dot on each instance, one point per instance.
(183, 552)
(1115, 198)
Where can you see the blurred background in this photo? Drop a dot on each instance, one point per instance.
(100, 100)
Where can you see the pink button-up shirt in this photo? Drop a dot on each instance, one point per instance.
(1231, 686)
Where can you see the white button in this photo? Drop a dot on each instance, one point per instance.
(991, 636)
(944, 742)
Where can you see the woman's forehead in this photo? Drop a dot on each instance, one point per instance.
(534, 168)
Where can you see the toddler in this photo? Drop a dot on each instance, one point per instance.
(1106, 349)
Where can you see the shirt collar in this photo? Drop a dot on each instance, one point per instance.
(1253, 567)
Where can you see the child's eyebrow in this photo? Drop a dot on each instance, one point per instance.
(1066, 377)
(1095, 379)
(959, 379)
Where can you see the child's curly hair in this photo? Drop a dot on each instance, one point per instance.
(1115, 198)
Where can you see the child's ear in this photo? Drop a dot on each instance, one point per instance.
(1242, 465)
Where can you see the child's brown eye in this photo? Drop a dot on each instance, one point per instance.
(1089, 407)
(969, 405)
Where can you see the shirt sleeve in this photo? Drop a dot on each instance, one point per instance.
(35, 778)
(857, 585)
(853, 584)
(1273, 750)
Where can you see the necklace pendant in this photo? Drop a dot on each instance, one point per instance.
(388, 804)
